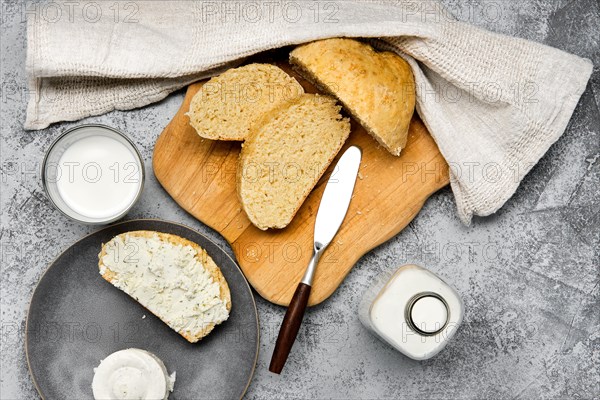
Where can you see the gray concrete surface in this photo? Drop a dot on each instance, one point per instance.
(528, 275)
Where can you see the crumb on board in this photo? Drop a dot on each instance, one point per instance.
(360, 176)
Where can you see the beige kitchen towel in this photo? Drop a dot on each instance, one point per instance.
(493, 103)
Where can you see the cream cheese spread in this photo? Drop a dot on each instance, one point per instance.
(168, 279)
(132, 374)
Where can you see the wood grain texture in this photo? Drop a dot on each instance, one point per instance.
(289, 328)
(200, 175)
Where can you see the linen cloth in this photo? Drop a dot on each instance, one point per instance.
(494, 104)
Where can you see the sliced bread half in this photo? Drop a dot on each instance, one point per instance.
(227, 105)
(174, 278)
(284, 158)
(378, 89)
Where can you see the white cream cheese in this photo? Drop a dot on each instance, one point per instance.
(132, 374)
(168, 279)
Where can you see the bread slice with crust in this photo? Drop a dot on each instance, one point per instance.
(226, 106)
(377, 88)
(284, 158)
(174, 278)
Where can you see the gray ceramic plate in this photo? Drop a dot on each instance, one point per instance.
(76, 319)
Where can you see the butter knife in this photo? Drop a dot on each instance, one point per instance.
(332, 211)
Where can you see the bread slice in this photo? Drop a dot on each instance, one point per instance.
(174, 278)
(285, 156)
(227, 105)
(378, 89)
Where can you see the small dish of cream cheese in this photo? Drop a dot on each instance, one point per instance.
(132, 374)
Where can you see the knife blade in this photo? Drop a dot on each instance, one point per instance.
(332, 211)
(336, 197)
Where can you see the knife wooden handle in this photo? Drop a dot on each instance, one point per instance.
(289, 328)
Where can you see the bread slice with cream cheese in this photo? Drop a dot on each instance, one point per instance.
(174, 278)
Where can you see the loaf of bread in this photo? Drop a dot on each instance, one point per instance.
(227, 105)
(284, 158)
(174, 278)
(377, 88)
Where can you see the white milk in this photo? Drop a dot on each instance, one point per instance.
(413, 310)
(98, 177)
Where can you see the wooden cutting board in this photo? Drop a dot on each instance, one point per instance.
(200, 175)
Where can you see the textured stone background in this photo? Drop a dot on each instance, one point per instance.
(528, 275)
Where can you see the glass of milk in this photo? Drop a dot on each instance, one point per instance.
(93, 174)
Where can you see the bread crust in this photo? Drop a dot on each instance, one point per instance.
(201, 254)
(376, 88)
